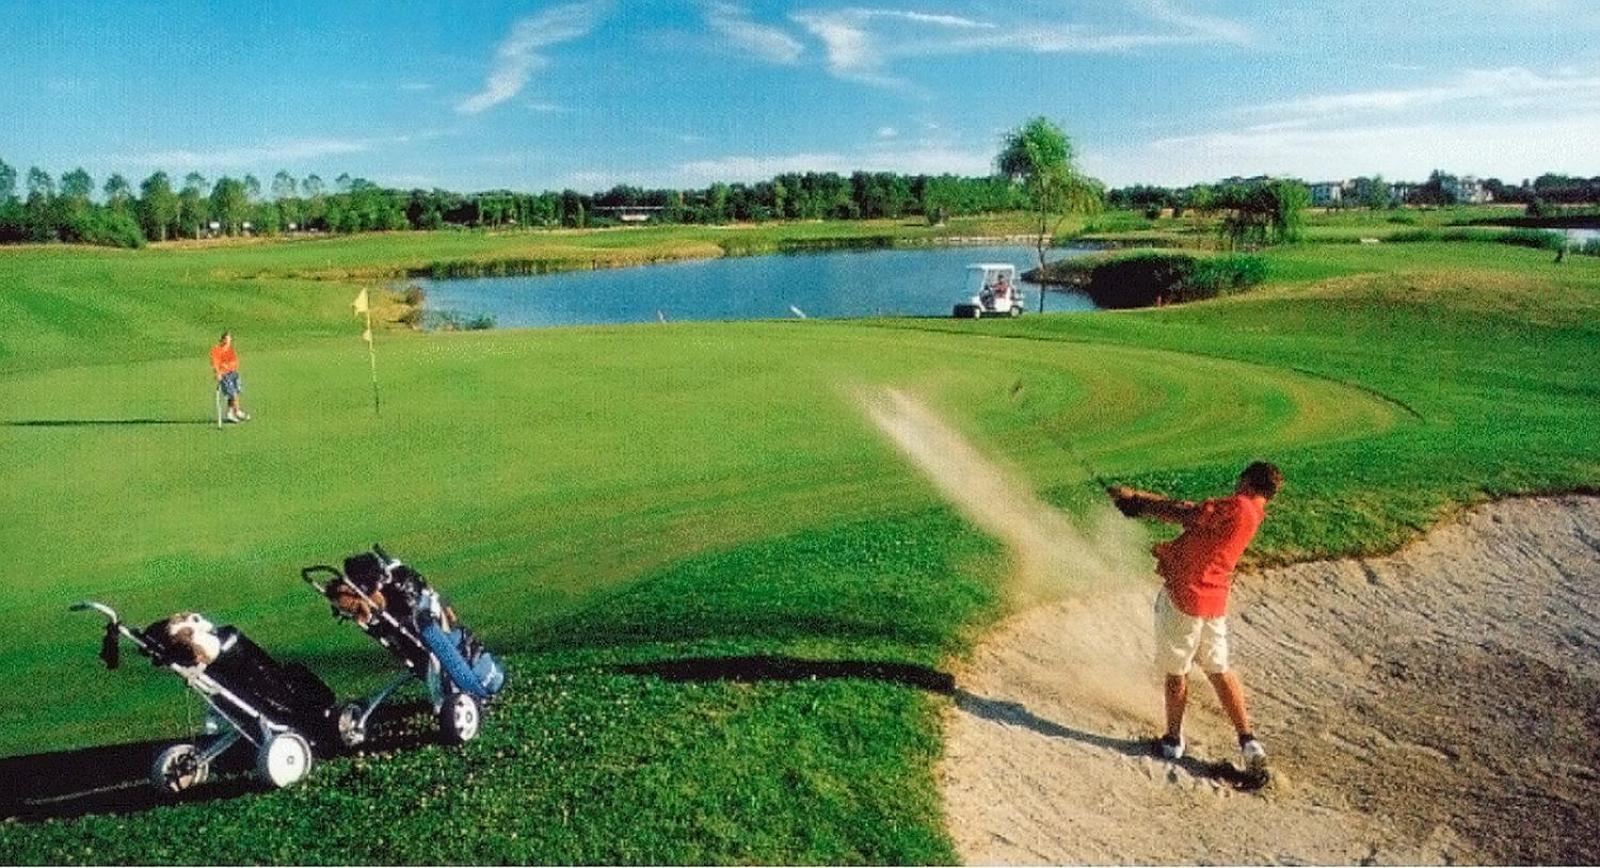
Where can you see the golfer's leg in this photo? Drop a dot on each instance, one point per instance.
(1230, 693)
(1177, 690)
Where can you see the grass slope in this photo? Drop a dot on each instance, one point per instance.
(710, 578)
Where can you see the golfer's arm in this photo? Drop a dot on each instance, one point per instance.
(1175, 511)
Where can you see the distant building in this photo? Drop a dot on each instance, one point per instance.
(631, 213)
(1327, 194)
(1468, 190)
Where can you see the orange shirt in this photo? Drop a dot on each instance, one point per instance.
(224, 359)
(1198, 565)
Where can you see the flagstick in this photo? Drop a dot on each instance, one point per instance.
(372, 357)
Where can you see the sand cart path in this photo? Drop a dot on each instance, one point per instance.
(1441, 704)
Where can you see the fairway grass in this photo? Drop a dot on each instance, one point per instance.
(609, 506)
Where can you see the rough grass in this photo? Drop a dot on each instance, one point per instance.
(614, 507)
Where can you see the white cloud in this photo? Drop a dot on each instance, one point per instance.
(1510, 86)
(851, 52)
(887, 132)
(416, 86)
(1206, 28)
(860, 43)
(516, 58)
(256, 155)
(764, 42)
(590, 179)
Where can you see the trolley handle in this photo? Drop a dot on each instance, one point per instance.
(309, 574)
(110, 652)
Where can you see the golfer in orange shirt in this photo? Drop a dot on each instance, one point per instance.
(1192, 608)
(225, 362)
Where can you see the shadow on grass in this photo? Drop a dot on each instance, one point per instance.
(1017, 714)
(765, 667)
(99, 423)
(112, 779)
(115, 779)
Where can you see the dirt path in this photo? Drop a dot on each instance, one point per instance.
(1439, 705)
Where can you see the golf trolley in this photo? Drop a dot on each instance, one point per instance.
(281, 709)
(394, 605)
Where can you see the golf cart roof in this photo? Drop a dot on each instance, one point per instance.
(991, 266)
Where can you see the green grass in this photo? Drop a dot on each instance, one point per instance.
(607, 503)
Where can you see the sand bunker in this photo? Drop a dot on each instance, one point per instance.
(1439, 705)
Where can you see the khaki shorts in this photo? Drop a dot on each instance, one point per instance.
(1182, 640)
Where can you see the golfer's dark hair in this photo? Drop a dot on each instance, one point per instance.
(1264, 479)
(224, 336)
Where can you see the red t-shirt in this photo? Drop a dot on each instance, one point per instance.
(224, 359)
(1198, 565)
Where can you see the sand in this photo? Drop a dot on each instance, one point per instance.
(1438, 705)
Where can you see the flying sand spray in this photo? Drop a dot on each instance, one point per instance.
(1086, 584)
(1054, 557)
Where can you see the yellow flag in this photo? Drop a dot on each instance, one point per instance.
(366, 335)
(360, 304)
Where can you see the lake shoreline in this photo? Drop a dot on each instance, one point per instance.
(913, 279)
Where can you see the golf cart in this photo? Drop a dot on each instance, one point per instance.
(992, 290)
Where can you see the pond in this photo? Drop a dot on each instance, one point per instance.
(920, 282)
(1578, 237)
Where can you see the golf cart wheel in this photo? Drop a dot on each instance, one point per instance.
(460, 717)
(284, 759)
(352, 730)
(178, 768)
(976, 311)
(1015, 311)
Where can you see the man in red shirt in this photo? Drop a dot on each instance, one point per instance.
(225, 363)
(1191, 610)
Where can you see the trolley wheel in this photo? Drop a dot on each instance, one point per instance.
(460, 718)
(352, 731)
(178, 768)
(284, 759)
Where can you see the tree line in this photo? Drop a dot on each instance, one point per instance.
(1440, 189)
(39, 208)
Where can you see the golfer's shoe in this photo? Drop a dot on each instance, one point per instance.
(1171, 748)
(1255, 756)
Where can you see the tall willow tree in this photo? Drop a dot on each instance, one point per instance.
(1039, 156)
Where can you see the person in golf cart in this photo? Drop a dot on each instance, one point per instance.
(1002, 286)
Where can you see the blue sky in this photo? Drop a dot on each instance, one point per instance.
(586, 94)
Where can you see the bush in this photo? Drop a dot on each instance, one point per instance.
(1145, 278)
(456, 321)
(1117, 221)
(104, 227)
(1590, 247)
(1222, 275)
(1534, 238)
